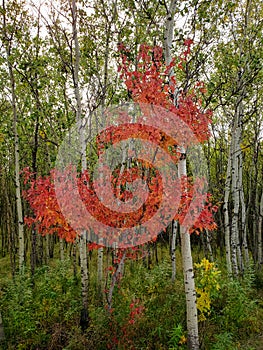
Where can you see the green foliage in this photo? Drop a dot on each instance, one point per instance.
(258, 281)
(236, 314)
(38, 316)
(148, 310)
(163, 302)
(178, 339)
(207, 286)
(224, 341)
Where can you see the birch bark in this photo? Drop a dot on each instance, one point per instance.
(83, 237)
(189, 282)
(208, 242)
(21, 240)
(191, 309)
(100, 273)
(61, 249)
(173, 244)
(260, 260)
(235, 245)
(244, 252)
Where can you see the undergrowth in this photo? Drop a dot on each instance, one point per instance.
(148, 310)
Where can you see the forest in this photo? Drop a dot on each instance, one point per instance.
(131, 167)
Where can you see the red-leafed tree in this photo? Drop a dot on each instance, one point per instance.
(153, 82)
(148, 84)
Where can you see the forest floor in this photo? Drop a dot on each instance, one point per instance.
(148, 309)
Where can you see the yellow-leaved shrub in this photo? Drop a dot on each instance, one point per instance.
(207, 286)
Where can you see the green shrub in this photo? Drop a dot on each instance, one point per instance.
(149, 311)
(178, 339)
(37, 317)
(224, 341)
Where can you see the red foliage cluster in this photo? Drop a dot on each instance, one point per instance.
(124, 335)
(148, 83)
(47, 217)
(136, 310)
(114, 134)
(196, 204)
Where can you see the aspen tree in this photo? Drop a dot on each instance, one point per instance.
(7, 39)
(189, 282)
(83, 235)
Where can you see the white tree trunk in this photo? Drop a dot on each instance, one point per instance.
(114, 279)
(84, 280)
(189, 283)
(100, 273)
(173, 246)
(238, 226)
(83, 237)
(209, 245)
(235, 245)
(61, 249)
(168, 44)
(191, 309)
(169, 35)
(226, 216)
(245, 251)
(21, 247)
(260, 260)
(188, 270)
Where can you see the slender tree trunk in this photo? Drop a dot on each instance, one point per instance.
(169, 36)
(10, 232)
(51, 242)
(238, 219)
(244, 229)
(188, 270)
(260, 260)
(84, 319)
(2, 333)
(100, 274)
(149, 256)
(21, 240)
(191, 309)
(208, 243)
(33, 258)
(173, 246)
(155, 248)
(235, 195)
(61, 249)
(47, 249)
(255, 218)
(114, 279)
(10, 241)
(226, 215)
(74, 253)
